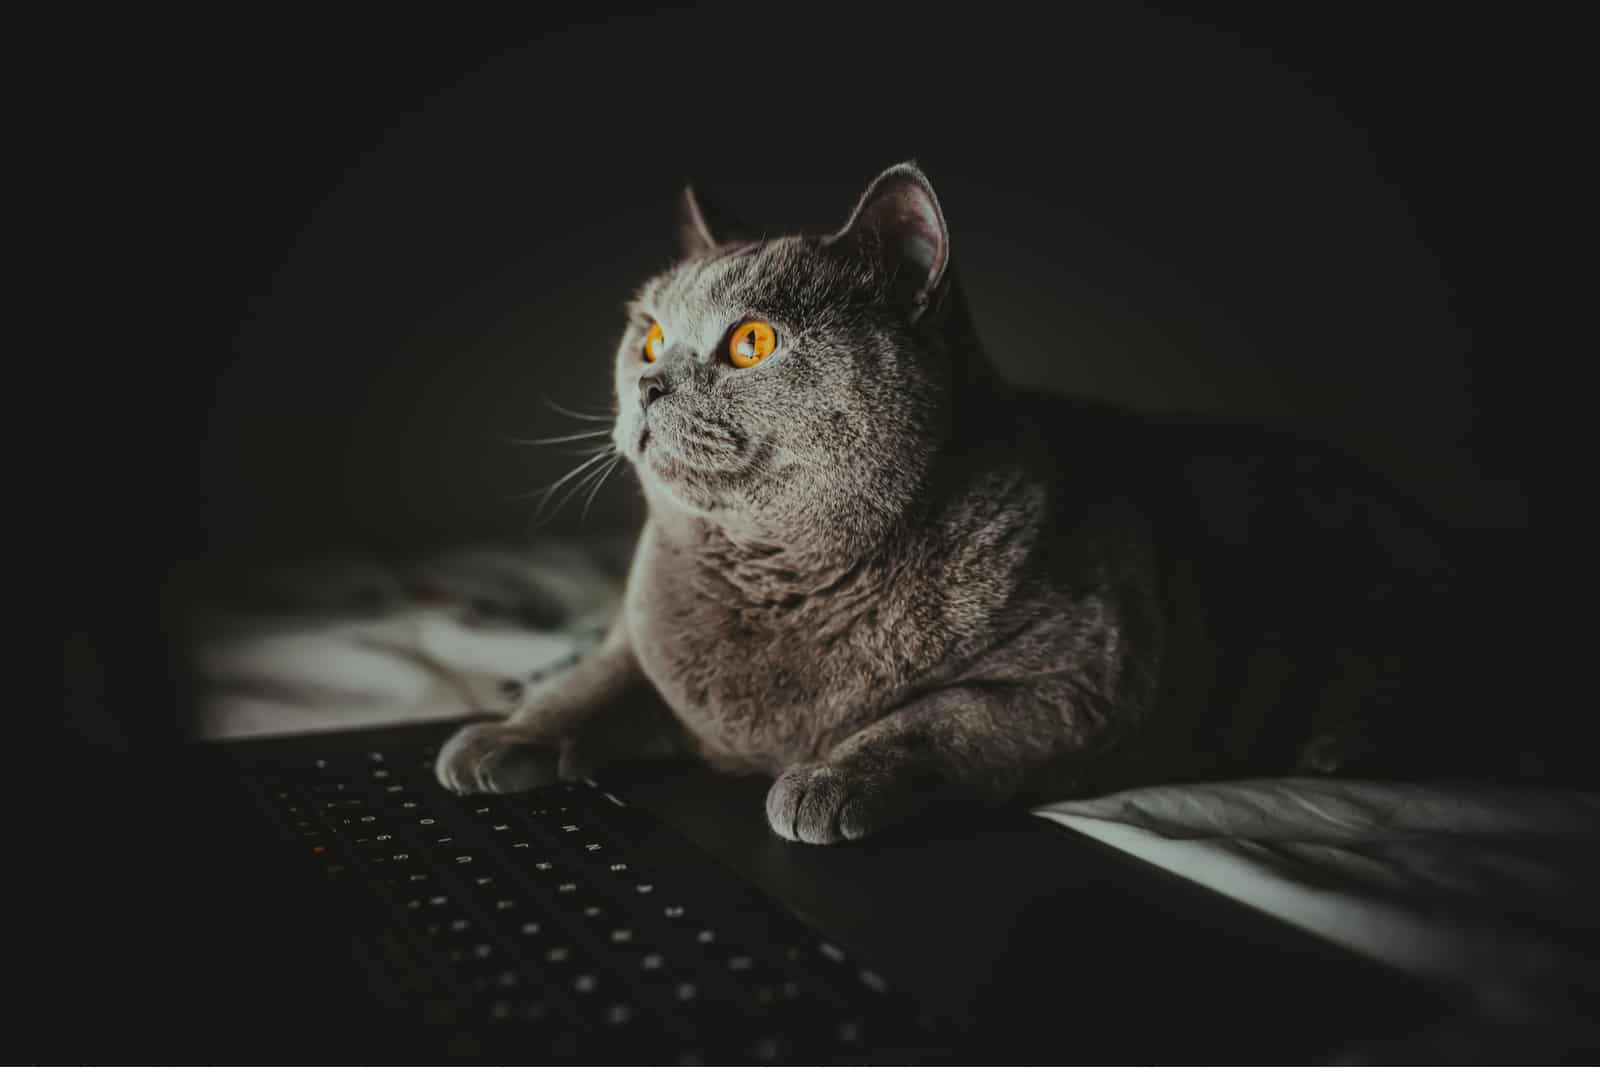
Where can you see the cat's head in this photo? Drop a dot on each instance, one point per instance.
(796, 383)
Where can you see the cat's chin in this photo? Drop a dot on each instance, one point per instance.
(686, 458)
(663, 494)
(674, 482)
(687, 488)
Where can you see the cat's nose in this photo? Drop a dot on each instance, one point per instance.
(651, 387)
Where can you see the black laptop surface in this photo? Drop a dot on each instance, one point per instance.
(650, 916)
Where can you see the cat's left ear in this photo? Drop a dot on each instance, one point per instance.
(898, 221)
(703, 223)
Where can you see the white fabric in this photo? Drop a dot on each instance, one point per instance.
(1491, 892)
(338, 645)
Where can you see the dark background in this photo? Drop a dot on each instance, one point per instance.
(338, 262)
(395, 237)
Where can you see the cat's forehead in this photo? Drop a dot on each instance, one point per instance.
(791, 278)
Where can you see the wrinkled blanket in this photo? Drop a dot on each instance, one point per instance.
(336, 645)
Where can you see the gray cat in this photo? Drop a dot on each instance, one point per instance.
(873, 570)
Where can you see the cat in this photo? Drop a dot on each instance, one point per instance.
(877, 573)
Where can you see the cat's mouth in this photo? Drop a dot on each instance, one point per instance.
(696, 454)
(701, 442)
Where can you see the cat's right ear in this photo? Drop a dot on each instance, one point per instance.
(898, 222)
(702, 223)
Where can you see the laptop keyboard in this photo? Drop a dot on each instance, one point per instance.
(539, 921)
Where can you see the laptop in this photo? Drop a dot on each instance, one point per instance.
(650, 916)
(319, 898)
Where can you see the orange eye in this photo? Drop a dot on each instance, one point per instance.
(654, 342)
(752, 343)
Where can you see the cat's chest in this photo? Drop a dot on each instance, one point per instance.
(762, 684)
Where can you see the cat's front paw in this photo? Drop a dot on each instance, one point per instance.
(493, 758)
(825, 803)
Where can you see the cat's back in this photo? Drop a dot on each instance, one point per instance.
(1301, 589)
(1269, 497)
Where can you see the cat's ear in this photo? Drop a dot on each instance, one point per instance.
(898, 221)
(703, 223)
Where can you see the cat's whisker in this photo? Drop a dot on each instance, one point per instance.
(588, 417)
(594, 475)
(544, 493)
(560, 438)
(601, 481)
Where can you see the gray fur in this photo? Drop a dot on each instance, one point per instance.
(876, 572)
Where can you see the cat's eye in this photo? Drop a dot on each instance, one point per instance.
(654, 342)
(751, 343)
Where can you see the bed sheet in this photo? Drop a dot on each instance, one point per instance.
(1490, 892)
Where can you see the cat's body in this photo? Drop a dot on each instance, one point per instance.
(772, 657)
(878, 573)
